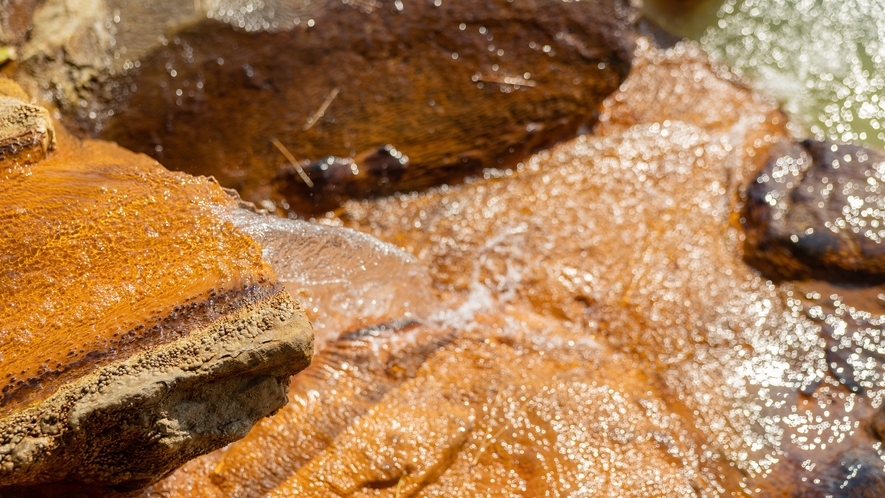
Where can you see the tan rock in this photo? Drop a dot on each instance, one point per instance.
(26, 131)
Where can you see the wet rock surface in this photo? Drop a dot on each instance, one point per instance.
(580, 323)
(455, 86)
(816, 211)
(598, 332)
(139, 329)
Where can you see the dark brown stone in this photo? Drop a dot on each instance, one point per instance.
(816, 210)
(455, 87)
(15, 20)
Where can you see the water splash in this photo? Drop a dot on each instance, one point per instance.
(345, 279)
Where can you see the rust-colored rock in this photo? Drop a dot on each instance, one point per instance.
(599, 332)
(817, 210)
(496, 413)
(232, 89)
(139, 329)
(632, 236)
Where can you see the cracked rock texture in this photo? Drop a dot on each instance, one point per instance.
(139, 329)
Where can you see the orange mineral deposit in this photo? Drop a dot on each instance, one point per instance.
(138, 329)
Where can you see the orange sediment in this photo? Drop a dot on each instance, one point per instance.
(104, 253)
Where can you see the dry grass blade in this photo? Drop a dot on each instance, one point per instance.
(292, 160)
(399, 485)
(508, 80)
(322, 110)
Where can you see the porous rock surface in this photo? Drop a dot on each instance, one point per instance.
(139, 329)
(26, 131)
(816, 210)
(222, 87)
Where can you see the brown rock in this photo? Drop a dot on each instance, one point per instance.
(15, 19)
(139, 329)
(584, 342)
(455, 86)
(817, 211)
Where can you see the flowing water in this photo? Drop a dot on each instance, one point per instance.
(582, 323)
(592, 329)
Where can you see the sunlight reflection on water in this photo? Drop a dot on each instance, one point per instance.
(823, 60)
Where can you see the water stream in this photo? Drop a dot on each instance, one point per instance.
(582, 322)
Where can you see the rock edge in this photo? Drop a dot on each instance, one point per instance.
(128, 424)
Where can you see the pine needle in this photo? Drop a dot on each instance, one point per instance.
(399, 485)
(486, 445)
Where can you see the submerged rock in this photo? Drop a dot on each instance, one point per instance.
(139, 329)
(817, 211)
(225, 87)
(598, 331)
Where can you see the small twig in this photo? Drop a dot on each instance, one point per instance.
(322, 110)
(292, 160)
(486, 445)
(368, 5)
(399, 485)
(507, 80)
